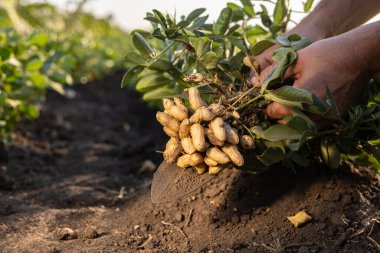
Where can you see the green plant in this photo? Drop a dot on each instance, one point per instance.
(179, 54)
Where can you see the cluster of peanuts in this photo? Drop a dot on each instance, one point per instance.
(201, 137)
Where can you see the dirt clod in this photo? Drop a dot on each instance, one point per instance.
(90, 232)
(64, 234)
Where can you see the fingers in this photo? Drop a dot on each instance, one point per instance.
(278, 111)
(258, 82)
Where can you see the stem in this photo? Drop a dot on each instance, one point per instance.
(250, 101)
(240, 98)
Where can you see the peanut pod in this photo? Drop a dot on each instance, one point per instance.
(181, 103)
(177, 112)
(195, 98)
(196, 117)
(201, 168)
(196, 159)
(167, 103)
(209, 161)
(212, 138)
(233, 153)
(184, 161)
(231, 134)
(170, 133)
(247, 142)
(214, 170)
(217, 126)
(198, 137)
(217, 108)
(172, 150)
(187, 145)
(168, 121)
(184, 129)
(217, 155)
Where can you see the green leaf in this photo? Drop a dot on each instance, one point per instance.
(281, 132)
(299, 44)
(182, 24)
(284, 57)
(161, 65)
(211, 60)
(135, 58)
(158, 35)
(280, 11)
(38, 79)
(289, 95)
(195, 14)
(283, 41)
(307, 5)
(271, 156)
(330, 155)
(202, 45)
(34, 64)
(130, 74)
(152, 81)
(158, 94)
(198, 22)
(38, 39)
(261, 46)
(221, 25)
(5, 53)
(248, 7)
(161, 18)
(239, 43)
(237, 12)
(142, 45)
(294, 37)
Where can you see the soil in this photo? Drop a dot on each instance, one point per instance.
(78, 180)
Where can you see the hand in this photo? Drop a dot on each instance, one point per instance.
(331, 62)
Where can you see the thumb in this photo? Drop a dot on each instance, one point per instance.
(278, 111)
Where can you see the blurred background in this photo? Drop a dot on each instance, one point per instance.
(130, 14)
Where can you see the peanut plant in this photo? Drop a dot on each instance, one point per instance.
(179, 58)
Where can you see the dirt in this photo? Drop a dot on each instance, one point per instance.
(74, 183)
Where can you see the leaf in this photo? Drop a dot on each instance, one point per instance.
(239, 43)
(289, 95)
(152, 81)
(38, 79)
(211, 60)
(283, 41)
(284, 57)
(152, 19)
(161, 65)
(158, 35)
(38, 39)
(294, 37)
(248, 7)
(261, 46)
(198, 22)
(202, 45)
(130, 74)
(158, 94)
(142, 45)
(161, 18)
(221, 25)
(135, 58)
(330, 155)
(280, 132)
(307, 5)
(299, 44)
(183, 24)
(5, 53)
(280, 11)
(195, 14)
(34, 64)
(271, 156)
(237, 12)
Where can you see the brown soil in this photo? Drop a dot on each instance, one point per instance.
(79, 188)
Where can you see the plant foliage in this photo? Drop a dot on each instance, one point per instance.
(180, 53)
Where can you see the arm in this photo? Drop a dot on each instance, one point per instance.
(330, 18)
(345, 63)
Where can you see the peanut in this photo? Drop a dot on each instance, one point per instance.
(183, 161)
(172, 150)
(170, 133)
(196, 117)
(209, 161)
(214, 170)
(218, 128)
(187, 145)
(198, 137)
(195, 99)
(217, 155)
(246, 142)
(184, 129)
(233, 153)
(212, 138)
(181, 103)
(196, 159)
(231, 135)
(201, 168)
(167, 103)
(177, 112)
(168, 121)
(217, 108)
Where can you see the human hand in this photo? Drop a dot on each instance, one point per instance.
(331, 62)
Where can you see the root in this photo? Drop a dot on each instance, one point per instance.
(189, 217)
(150, 238)
(177, 228)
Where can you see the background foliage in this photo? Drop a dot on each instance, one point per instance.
(44, 48)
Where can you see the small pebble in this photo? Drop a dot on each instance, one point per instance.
(64, 234)
(90, 232)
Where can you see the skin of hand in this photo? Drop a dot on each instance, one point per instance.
(344, 63)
